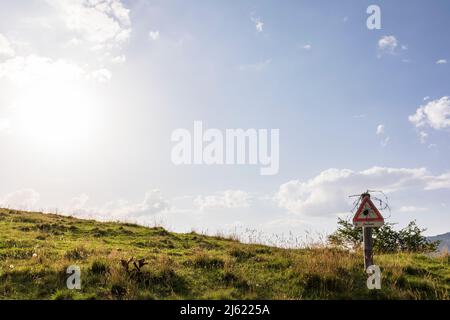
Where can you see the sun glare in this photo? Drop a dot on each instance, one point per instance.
(56, 115)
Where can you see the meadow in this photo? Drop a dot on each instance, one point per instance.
(127, 261)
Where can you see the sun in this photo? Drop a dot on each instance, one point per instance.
(56, 114)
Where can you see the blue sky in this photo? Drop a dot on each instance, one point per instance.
(92, 90)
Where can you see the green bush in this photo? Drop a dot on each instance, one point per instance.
(386, 239)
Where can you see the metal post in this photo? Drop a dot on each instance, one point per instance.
(368, 249)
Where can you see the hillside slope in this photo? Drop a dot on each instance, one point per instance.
(36, 249)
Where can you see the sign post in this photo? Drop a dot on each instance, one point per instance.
(368, 247)
(368, 217)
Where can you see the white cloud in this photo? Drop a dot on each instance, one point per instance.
(102, 75)
(119, 59)
(426, 98)
(25, 199)
(411, 209)
(380, 129)
(78, 203)
(328, 192)
(388, 44)
(73, 42)
(441, 61)
(435, 114)
(153, 35)
(103, 23)
(259, 24)
(307, 47)
(152, 204)
(82, 25)
(423, 136)
(385, 141)
(439, 182)
(381, 132)
(225, 199)
(25, 71)
(5, 47)
(32, 69)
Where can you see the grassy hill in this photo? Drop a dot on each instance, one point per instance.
(36, 249)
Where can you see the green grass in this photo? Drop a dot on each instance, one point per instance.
(36, 249)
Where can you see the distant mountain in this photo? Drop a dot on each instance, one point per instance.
(444, 239)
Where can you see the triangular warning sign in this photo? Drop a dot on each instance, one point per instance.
(368, 215)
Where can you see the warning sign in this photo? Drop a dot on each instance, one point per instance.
(367, 214)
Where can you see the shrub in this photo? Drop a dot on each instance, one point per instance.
(78, 253)
(206, 261)
(99, 267)
(386, 239)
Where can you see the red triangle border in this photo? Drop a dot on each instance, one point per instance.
(372, 206)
